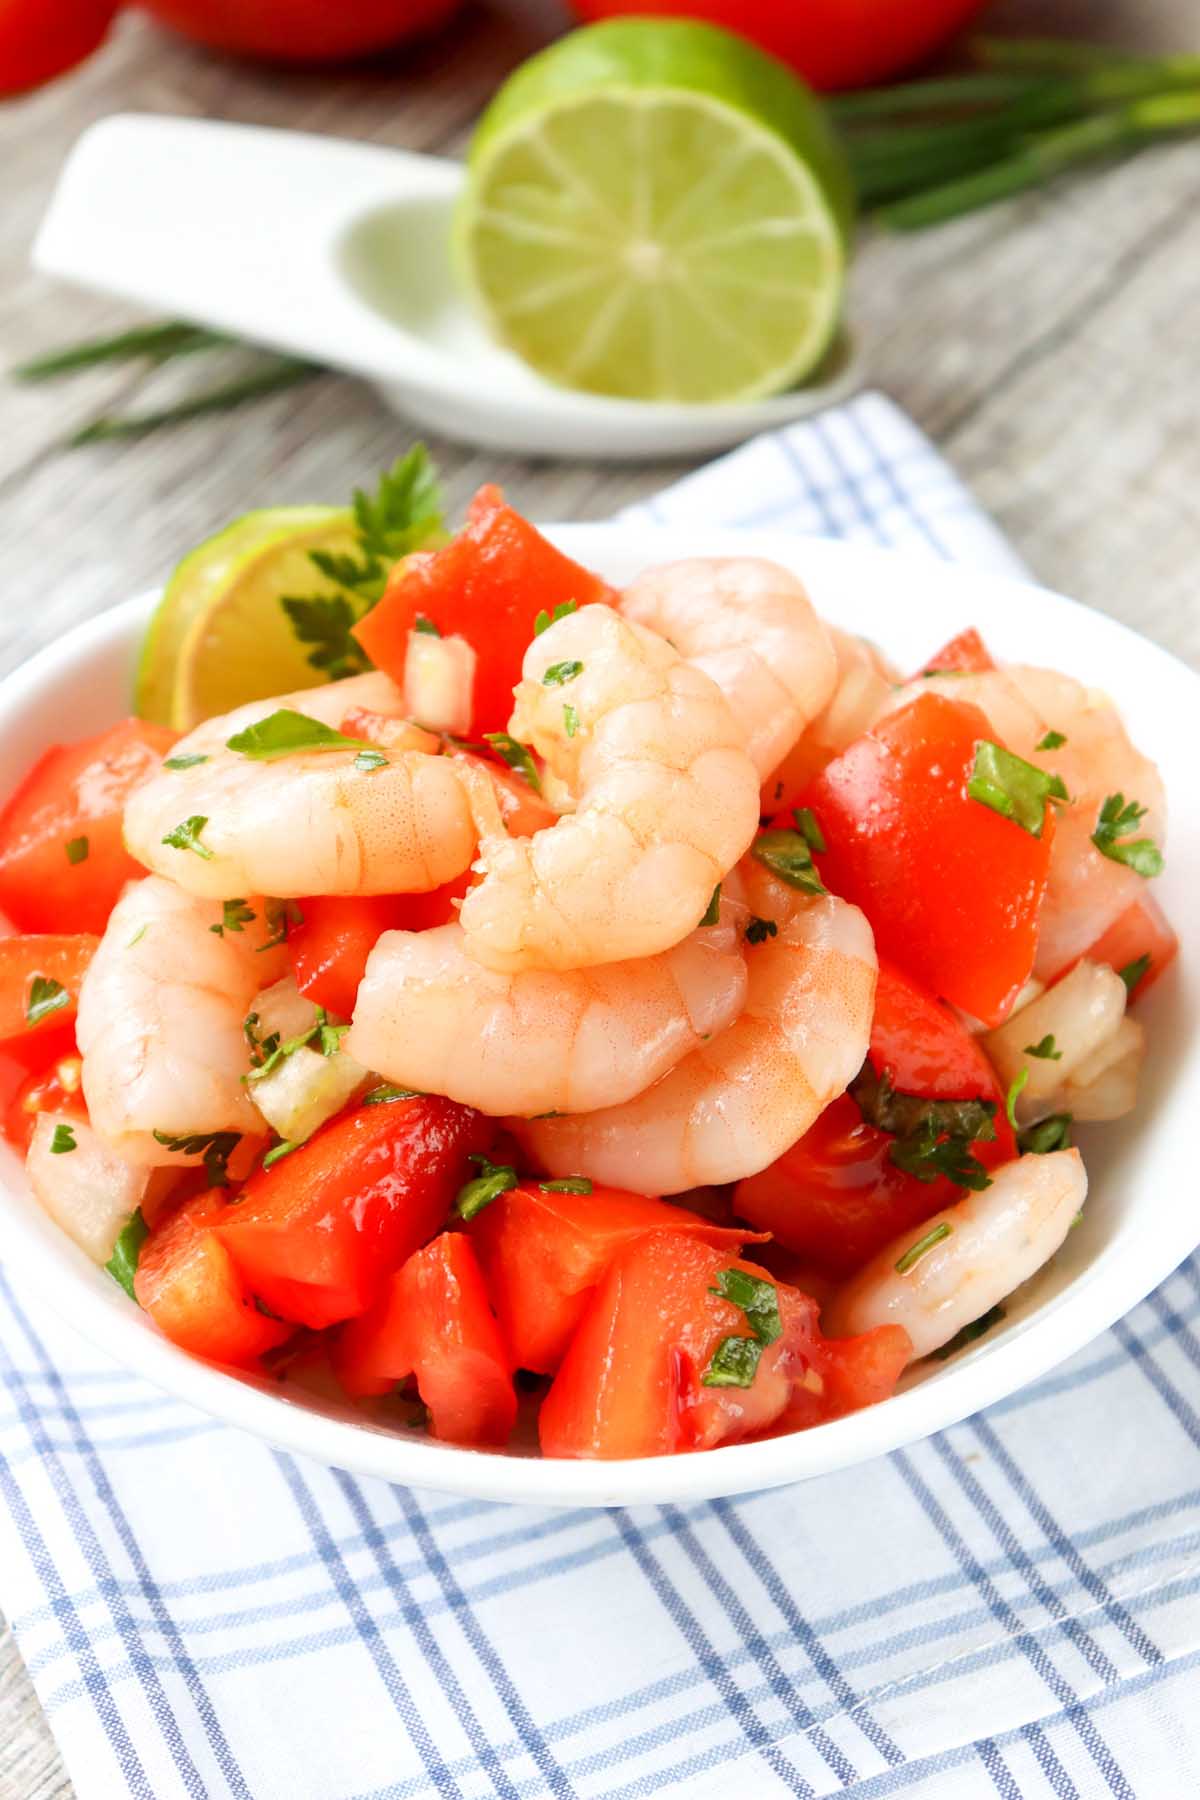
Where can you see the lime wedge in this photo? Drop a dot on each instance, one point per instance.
(658, 210)
(220, 636)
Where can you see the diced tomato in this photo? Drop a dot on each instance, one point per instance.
(62, 859)
(544, 1253)
(53, 959)
(317, 1234)
(487, 585)
(1141, 930)
(189, 1284)
(522, 810)
(952, 888)
(56, 1089)
(967, 653)
(330, 947)
(836, 1196)
(854, 1372)
(433, 1320)
(631, 1383)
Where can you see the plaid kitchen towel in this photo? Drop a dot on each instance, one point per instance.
(1009, 1608)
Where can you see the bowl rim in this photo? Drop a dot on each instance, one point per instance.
(1027, 1349)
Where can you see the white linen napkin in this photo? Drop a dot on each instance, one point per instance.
(1009, 1608)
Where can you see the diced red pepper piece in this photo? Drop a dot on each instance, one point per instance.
(189, 1284)
(1141, 930)
(58, 962)
(966, 653)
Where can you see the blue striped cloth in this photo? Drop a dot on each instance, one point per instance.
(1009, 1608)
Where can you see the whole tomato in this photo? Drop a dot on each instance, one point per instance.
(43, 38)
(300, 31)
(832, 43)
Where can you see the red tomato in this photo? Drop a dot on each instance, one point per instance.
(522, 810)
(966, 652)
(53, 1090)
(631, 1382)
(39, 40)
(836, 1196)
(317, 1234)
(329, 949)
(55, 959)
(488, 585)
(833, 43)
(1141, 930)
(952, 888)
(303, 31)
(188, 1283)
(62, 861)
(545, 1253)
(433, 1320)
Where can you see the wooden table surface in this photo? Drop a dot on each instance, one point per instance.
(1049, 347)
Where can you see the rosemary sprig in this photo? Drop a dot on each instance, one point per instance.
(158, 342)
(285, 373)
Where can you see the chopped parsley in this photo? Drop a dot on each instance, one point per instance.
(494, 1180)
(283, 1148)
(76, 849)
(712, 911)
(187, 836)
(545, 620)
(1135, 971)
(46, 996)
(63, 1140)
(1013, 1095)
(559, 673)
(184, 762)
(1118, 818)
(426, 626)
(758, 930)
(326, 1037)
(366, 760)
(260, 1047)
(213, 1147)
(933, 1137)
(386, 1092)
(570, 721)
(122, 1264)
(327, 621)
(937, 1234)
(567, 1184)
(235, 916)
(285, 733)
(734, 1362)
(1049, 1134)
(1045, 1049)
(1013, 787)
(137, 937)
(1053, 740)
(788, 854)
(970, 1332)
(516, 756)
(281, 915)
(810, 831)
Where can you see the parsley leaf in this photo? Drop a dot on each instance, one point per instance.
(235, 916)
(1053, 740)
(326, 621)
(970, 1332)
(902, 1114)
(1045, 1049)
(386, 1092)
(926, 1155)
(283, 1148)
(545, 620)
(735, 1360)
(788, 854)
(712, 911)
(327, 1037)
(260, 1047)
(1117, 819)
(187, 836)
(122, 1264)
(496, 1179)
(285, 733)
(937, 1234)
(184, 762)
(366, 760)
(426, 626)
(63, 1140)
(1049, 1134)
(570, 721)
(1013, 1095)
(1134, 971)
(214, 1147)
(46, 996)
(516, 756)
(758, 930)
(281, 915)
(810, 831)
(559, 673)
(1013, 787)
(77, 849)
(734, 1363)
(567, 1184)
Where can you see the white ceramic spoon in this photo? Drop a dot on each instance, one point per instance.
(340, 252)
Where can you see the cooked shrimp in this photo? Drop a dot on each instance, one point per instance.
(749, 625)
(429, 1016)
(309, 822)
(950, 1271)
(160, 1021)
(1065, 1041)
(863, 686)
(1087, 891)
(666, 801)
(738, 1102)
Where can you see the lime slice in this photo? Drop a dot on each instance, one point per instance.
(219, 636)
(658, 210)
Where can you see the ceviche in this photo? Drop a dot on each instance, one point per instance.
(647, 1013)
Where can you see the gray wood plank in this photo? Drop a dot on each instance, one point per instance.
(1048, 346)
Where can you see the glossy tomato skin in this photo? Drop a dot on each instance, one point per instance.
(39, 41)
(832, 43)
(433, 1320)
(488, 586)
(330, 946)
(190, 1286)
(631, 1382)
(951, 888)
(967, 653)
(56, 957)
(317, 1234)
(544, 1254)
(56, 1089)
(301, 31)
(75, 791)
(1141, 930)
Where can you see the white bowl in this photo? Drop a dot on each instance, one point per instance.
(1140, 1221)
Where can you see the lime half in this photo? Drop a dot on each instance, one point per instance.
(220, 635)
(658, 210)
